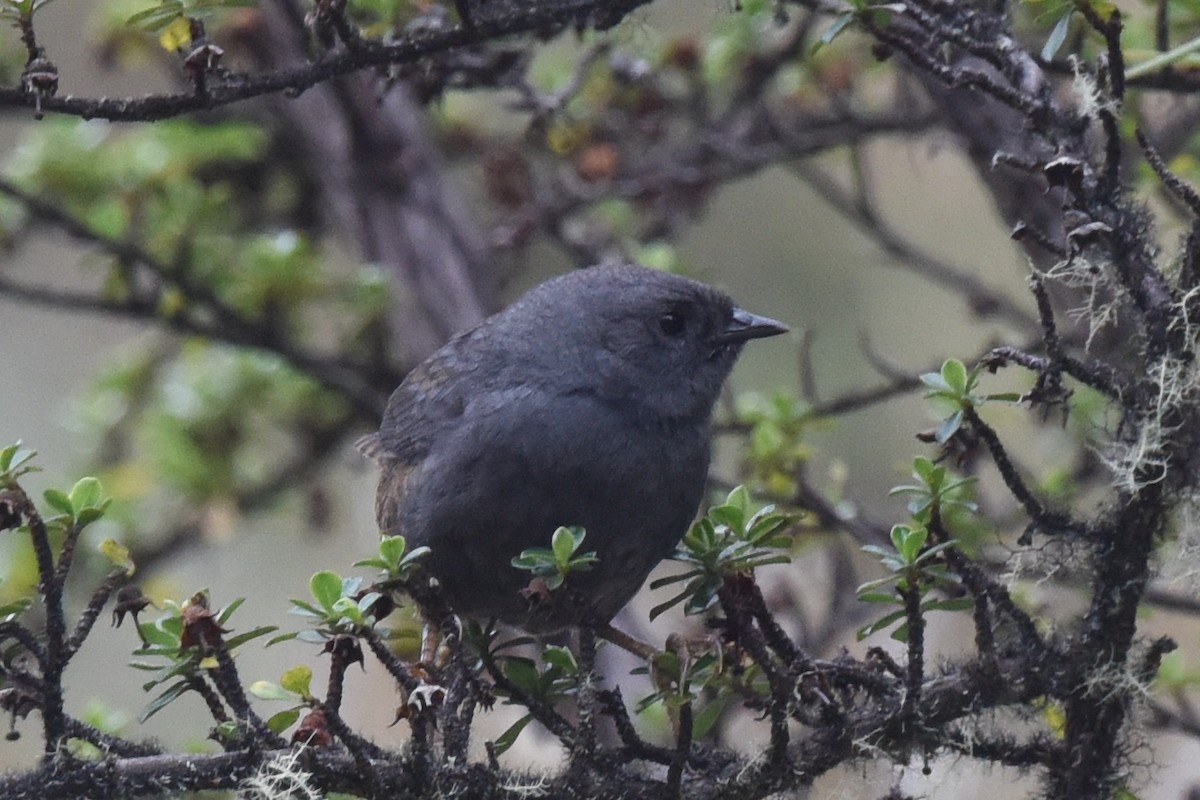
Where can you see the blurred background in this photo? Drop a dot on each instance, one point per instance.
(768, 238)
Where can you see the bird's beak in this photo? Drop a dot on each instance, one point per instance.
(744, 326)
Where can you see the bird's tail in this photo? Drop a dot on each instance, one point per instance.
(371, 447)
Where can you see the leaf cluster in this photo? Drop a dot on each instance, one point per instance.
(953, 390)
(555, 563)
(731, 538)
(169, 639)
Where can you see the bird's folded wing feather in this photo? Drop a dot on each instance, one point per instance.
(431, 398)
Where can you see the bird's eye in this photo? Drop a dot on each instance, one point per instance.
(672, 323)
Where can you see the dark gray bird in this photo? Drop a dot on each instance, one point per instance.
(587, 402)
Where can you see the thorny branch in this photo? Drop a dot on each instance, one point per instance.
(819, 713)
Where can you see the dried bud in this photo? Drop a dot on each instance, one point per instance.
(507, 178)
(1066, 171)
(10, 513)
(346, 649)
(203, 58)
(321, 27)
(200, 626)
(683, 53)
(19, 701)
(598, 163)
(131, 601)
(425, 697)
(537, 593)
(313, 730)
(1087, 233)
(39, 78)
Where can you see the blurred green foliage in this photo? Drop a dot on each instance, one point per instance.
(776, 446)
(229, 247)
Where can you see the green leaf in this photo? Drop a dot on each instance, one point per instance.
(366, 601)
(298, 680)
(562, 658)
(879, 597)
(764, 561)
(924, 469)
(414, 554)
(391, 549)
(879, 624)
(278, 723)
(535, 559)
(163, 700)
(701, 601)
(911, 543)
(304, 608)
(949, 427)
(265, 690)
(739, 498)
(6, 456)
(658, 583)
(228, 610)
(14, 462)
(507, 739)
(706, 717)
(9, 611)
(523, 673)
(935, 381)
(762, 528)
(954, 373)
(1057, 36)
(59, 501)
(929, 553)
(242, 638)
(326, 587)
(158, 632)
(564, 543)
(835, 28)
(156, 16)
(876, 550)
(89, 515)
(728, 515)
(666, 604)
(86, 493)
(118, 554)
(228, 731)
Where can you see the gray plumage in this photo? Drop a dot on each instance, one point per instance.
(587, 402)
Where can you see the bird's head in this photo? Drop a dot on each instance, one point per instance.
(660, 342)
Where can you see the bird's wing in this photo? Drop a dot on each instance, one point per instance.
(431, 398)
